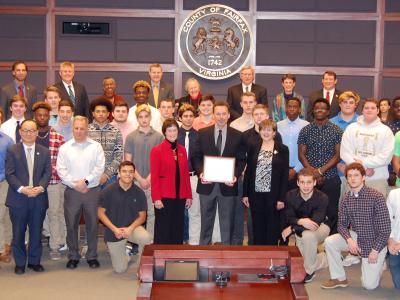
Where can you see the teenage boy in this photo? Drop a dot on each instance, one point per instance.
(364, 210)
(122, 209)
(120, 119)
(137, 149)
(52, 97)
(305, 213)
(64, 122)
(12, 126)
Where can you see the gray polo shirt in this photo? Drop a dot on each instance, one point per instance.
(139, 145)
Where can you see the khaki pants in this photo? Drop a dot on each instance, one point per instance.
(55, 214)
(308, 246)
(117, 250)
(370, 273)
(5, 223)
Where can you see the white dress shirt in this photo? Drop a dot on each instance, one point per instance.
(77, 161)
(66, 85)
(9, 126)
(32, 154)
(245, 86)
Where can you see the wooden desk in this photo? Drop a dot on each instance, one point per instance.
(235, 259)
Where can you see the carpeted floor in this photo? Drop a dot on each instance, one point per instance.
(59, 283)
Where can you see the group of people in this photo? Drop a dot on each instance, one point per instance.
(313, 168)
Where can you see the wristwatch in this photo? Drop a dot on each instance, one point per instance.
(87, 182)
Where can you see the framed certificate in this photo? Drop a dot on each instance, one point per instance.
(219, 169)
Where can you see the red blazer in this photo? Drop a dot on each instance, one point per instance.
(162, 169)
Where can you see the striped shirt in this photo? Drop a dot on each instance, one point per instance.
(368, 215)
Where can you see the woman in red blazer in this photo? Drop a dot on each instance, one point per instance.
(170, 186)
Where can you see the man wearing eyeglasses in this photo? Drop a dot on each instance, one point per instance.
(319, 149)
(28, 173)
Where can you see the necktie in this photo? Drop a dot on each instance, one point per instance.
(155, 95)
(187, 143)
(328, 96)
(17, 135)
(71, 94)
(30, 165)
(219, 142)
(21, 91)
(247, 89)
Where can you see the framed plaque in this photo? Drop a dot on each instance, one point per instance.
(219, 169)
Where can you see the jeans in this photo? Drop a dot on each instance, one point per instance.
(394, 265)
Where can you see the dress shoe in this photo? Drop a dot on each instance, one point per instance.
(36, 268)
(93, 263)
(19, 270)
(72, 263)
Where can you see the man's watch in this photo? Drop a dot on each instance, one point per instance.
(86, 182)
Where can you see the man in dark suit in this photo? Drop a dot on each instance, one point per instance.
(20, 87)
(72, 90)
(329, 92)
(159, 88)
(28, 173)
(246, 85)
(218, 140)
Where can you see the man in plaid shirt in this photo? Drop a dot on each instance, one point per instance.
(49, 138)
(364, 209)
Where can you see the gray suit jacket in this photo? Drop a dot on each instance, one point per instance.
(17, 175)
(8, 91)
(166, 92)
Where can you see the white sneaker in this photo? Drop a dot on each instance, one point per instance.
(350, 260)
(63, 248)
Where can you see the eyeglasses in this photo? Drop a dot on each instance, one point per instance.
(31, 131)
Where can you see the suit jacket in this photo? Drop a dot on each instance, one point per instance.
(320, 94)
(236, 91)
(234, 147)
(280, 170)
(17, 175)
(81, 98)
(8, 91)
(163, 172)
(166, 92)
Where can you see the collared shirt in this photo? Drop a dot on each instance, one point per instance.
(9, 126)
(393, 203)
(53, 120)
(16, 85)
(321, 144)
(223, 132)
(55, 140)
(155, 116)
(125, 128)
(246, 86)
(5, 143)
(110, 139)
(64, 130)
(297, 208)
(199, 124)
(66, 85)
(77, 161)
(289, 131)
(193, 136)
(242, 123)
(367, 214)
(139, 145)
(122, 207)
(32, 155)
(338, 120)
(331, 94)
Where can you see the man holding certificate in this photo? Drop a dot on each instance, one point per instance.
(219, 160)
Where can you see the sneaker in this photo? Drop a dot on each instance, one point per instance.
(55, 255)
(309, 277)
(132, 248)
(334, 283)
(83, 251)
(350, 260)
(63, 247)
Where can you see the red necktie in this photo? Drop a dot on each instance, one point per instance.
(328, 96)
(21, 91)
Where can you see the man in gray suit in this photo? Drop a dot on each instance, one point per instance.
(19, 86)
(159, 88)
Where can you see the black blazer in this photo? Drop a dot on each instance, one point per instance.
(81, 98)
(234, 147)
(166, 92)
(8, 91)
(236, 91)
(17, 175)
(335, 109)
(280, 170)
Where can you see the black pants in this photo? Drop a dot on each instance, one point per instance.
(168, 226)
(266, 219)
(331, 187)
